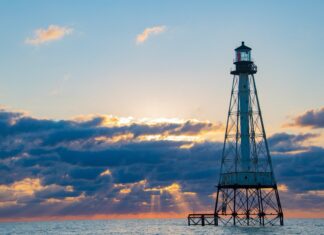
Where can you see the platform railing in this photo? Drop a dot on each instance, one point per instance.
(202, 219)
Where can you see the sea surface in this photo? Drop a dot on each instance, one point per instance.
(155, 226)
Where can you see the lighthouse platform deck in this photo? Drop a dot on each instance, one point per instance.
(202, 219)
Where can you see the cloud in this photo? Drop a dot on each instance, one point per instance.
(91, 165)
(312, 118)
(148, 32)
(106, 172)
(102, 164)
(22, 192)
(52, 33)
(302, 175)
(284, 142)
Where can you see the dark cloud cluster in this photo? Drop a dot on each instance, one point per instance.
(97, 165)
(312, 118)
(284, 142)
(101, 166)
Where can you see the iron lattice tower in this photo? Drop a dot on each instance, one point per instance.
(247, 192)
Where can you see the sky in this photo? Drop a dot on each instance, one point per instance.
(106, 106)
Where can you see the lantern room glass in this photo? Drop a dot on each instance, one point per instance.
(243, 56)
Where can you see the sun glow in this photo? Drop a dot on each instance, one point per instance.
(159, 137)
(180, 199)
(153, 129)
(65, 199)
(155, 203)
(283, 187)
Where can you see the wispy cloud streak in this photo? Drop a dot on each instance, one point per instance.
(52, 33)
(148, 32)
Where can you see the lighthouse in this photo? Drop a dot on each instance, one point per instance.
(247, 192)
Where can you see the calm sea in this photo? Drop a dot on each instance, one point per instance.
(155, 226)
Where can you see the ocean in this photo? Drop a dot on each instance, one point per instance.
(154, 226)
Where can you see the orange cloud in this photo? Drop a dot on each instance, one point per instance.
(125, 191)
(65, 199)
(283, 187)
(106, 172)
(26, 188)
(142, 37)
(52, 33)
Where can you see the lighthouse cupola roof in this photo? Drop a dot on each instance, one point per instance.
(243, 47)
